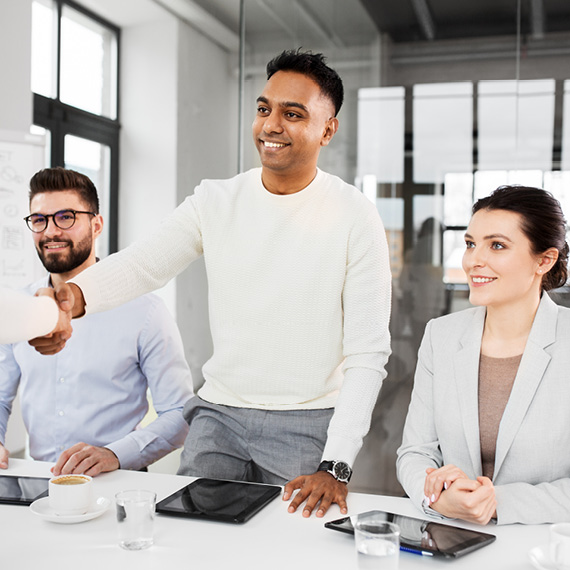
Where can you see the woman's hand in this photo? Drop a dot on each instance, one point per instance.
(438, 480)
(469, 500)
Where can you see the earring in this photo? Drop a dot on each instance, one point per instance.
(540, 271)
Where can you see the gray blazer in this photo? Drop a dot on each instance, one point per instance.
(532, 463)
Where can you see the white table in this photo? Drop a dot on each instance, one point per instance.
(273, 539)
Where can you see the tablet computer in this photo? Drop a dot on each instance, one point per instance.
(426, 537)
(17, 490)
(219, 500)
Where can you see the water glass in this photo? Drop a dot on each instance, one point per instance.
(377, 542)
(135, 516)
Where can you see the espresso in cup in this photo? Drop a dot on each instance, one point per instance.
(71, 480)
(70, 494)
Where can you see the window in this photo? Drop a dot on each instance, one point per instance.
(75, 85)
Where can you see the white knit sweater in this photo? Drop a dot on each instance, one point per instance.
(299, 293)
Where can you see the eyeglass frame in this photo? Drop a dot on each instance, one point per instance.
(52, 216)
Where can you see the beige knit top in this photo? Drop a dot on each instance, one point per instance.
(496, 378)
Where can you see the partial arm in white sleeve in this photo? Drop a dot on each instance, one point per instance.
(23, 316)
(146, 265)
(366, 343)
(525, 503)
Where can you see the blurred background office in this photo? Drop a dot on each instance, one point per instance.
(445, 101)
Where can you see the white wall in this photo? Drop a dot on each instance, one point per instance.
(15, 65)
(207, 148)
(148, 142)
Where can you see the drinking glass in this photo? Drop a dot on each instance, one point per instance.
(135, 516)
(377, 542)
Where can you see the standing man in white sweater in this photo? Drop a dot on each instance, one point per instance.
(299, 295)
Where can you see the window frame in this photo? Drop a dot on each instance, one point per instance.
(62, 119)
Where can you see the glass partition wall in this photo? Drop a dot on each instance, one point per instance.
(436, 114)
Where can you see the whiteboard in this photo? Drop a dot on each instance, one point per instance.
(21, 156)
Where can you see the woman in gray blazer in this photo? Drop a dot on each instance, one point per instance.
(487, 434)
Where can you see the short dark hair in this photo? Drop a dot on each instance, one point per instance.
(314, 66)
(58, 178)
(543, 224)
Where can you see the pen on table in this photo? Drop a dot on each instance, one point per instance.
(418, 552)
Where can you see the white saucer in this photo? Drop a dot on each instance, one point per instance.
(540, 558)
(42, 508)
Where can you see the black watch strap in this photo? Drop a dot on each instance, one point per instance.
(340, 470)
(325, 466)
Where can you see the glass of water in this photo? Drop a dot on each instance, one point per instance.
(377, 542)
(135, 516)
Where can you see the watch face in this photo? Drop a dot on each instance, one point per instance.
(342, 471)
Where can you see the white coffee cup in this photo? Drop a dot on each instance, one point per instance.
(560, 545)
(70, 494)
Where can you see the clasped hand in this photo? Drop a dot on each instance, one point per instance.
(450, 492)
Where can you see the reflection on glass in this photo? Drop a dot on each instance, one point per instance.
(453, 249)
(565, 154)
(516, 124)
(421, 281)
(427, 206)
(458, 198)
(488, 180)
(88, 64)
(443, 130)
(92, 159)
(381, 133)
(44, 26)
(391, 211)
(558, 182)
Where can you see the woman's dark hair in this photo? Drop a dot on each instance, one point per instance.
(312, 65)
(543, 224)
(58, 178)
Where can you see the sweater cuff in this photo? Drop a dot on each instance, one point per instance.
(340, 449)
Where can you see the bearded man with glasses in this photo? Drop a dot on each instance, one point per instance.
(82, 406)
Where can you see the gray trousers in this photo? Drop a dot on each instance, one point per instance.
(247, 444)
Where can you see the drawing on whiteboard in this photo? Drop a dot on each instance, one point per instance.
(6, 155)
(12, 238)
(11, 210)
(9, 174)
(20, 157)
(13, 268)
(6, 193)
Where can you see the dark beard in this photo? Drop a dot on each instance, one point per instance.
(75, 256)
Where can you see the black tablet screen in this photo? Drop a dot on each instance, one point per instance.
(227, 501)
(15, 490)
(426, 536)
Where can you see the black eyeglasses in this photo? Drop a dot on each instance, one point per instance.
(64, 219)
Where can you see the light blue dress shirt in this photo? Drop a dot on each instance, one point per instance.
(95, 389)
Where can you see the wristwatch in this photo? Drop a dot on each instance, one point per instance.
(340, 470)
